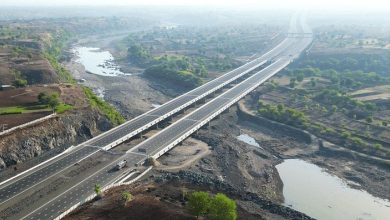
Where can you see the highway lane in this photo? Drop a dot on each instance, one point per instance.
(79, 191)
(159, 142)
(185, 126)
(129, 129)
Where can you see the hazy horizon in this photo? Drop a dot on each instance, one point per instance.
(366, 5)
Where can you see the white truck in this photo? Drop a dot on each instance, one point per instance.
(120, 164)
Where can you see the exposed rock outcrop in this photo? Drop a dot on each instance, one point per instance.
(57, 134)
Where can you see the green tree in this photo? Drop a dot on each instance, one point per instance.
(43, 98)
(384, 123)
(292, 82)
(334, 108)
(377, 146)
(53, 101)
(313, 82)
(222, 208)
(300, 77)
(280, 107)
(127, 197)
(369, 119)
(138, 55)
(199, 203)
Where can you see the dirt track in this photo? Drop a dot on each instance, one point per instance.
(190, 151)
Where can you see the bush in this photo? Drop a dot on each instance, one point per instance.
(98, 189)
(20, 83)
(127, 197)
(292, 82)
(369, 120)
(377, 146)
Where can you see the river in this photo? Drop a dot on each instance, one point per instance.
(313, 191)
(97, 61)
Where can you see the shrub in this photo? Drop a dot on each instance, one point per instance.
(377, 146)
(292, 82)
(20, 83)
(127, 197)
(98, 189)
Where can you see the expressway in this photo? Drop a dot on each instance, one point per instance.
(118, 135)
(161, 142)
(168, 137)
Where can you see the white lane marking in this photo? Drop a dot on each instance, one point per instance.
(44, 179)
(187, 119)
(145, 155)
(225, 98)
(39, 166)
(90, 177)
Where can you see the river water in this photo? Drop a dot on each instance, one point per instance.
(313, 191)
(249, 140)
(97, 61)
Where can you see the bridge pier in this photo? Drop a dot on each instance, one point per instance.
(139, 135)
(156, 126)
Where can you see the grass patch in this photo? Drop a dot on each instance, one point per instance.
(23, 109)
(110, 112)
(62, 107)
(10, 112)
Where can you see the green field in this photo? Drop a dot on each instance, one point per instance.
(61, 108)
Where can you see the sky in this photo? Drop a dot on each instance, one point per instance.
(292, 4)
